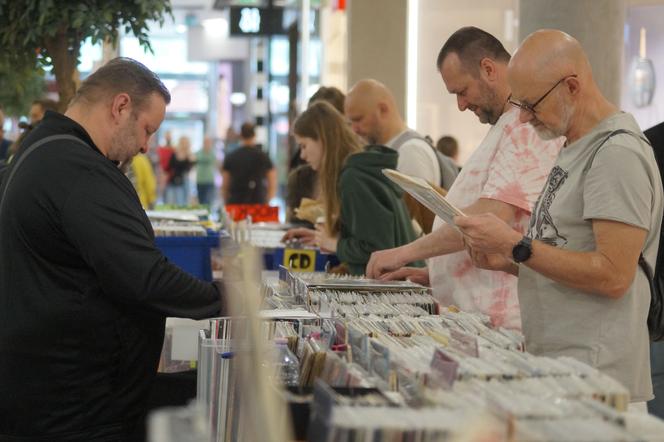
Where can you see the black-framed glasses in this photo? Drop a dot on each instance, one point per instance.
(531, 107)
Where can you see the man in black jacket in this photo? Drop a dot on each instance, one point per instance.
(84, 292)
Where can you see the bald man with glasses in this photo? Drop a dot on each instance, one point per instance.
(531, 107)
(581, 290)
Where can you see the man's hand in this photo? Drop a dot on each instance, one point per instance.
(493, 261)
(487, 233)
(304, 235)
(384, 261)
(414, 274)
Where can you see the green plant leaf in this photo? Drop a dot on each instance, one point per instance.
(29, 26)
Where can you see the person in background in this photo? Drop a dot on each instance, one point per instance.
(581, 290)
(37, 111)
(84, 292)
(364, 210)
(302, 183)
(503, 176)
(372, 110)
(231, 141)
(449, 146)
(302, 179)
(143, 179)
(164, 154)
(39, 108)
(206, 165)
(330, 94)
(181, 162)
(4, 142)
(656, 406)
(248, 175)
(333, 96)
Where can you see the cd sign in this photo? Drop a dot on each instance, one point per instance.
(246, 20)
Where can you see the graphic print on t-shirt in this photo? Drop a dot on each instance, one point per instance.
(541, 222)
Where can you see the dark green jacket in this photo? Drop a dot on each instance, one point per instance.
(373, 214)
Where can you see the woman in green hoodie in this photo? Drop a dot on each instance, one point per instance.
(364, 211)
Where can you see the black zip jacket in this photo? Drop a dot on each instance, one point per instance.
(84, 294)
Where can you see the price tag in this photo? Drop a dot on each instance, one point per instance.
(300, 260)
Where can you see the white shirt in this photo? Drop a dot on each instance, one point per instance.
(510, 165)
(417, 158)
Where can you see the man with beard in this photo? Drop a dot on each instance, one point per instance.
(84, 292)
(373, 114)
(504, 176)
(582, 290)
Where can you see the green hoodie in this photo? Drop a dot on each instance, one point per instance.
(373, 214)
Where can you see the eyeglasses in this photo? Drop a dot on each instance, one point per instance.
(531, 107)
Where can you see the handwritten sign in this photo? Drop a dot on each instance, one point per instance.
(300, 260)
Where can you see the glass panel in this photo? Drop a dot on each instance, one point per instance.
(90, 54)
(278, 97)
(279, 56)
(170, 55)
(187, 95)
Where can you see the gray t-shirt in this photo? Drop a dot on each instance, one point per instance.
(622, 183)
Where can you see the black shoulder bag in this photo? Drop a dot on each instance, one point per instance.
(656, 311)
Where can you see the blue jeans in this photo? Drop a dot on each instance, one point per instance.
(206, 193)
(176, 195)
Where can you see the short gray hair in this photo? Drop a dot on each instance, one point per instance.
(120, 75)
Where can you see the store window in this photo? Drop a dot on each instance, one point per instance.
(170, 55)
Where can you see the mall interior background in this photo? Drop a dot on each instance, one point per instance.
(219, 80)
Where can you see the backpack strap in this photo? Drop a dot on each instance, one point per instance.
(409, 134)
(443, 169)
(606, 138)
(19, 160)
(642, 261)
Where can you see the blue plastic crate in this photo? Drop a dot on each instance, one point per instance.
(190, 253)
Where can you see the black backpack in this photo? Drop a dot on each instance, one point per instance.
(656, 278)
(655, 137)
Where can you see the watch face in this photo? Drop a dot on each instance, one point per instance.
(521, 252)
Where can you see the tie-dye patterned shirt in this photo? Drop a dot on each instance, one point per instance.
(510, 165)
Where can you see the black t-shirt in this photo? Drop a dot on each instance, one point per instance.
(179, 169)
(83, 294)
(248, 168)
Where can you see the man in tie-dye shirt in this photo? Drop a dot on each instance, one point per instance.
(504, 176)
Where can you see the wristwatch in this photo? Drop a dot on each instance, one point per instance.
(522, 250)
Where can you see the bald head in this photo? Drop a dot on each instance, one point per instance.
(370, 92)
(548, 55)
(372, 111)
(551, 77)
